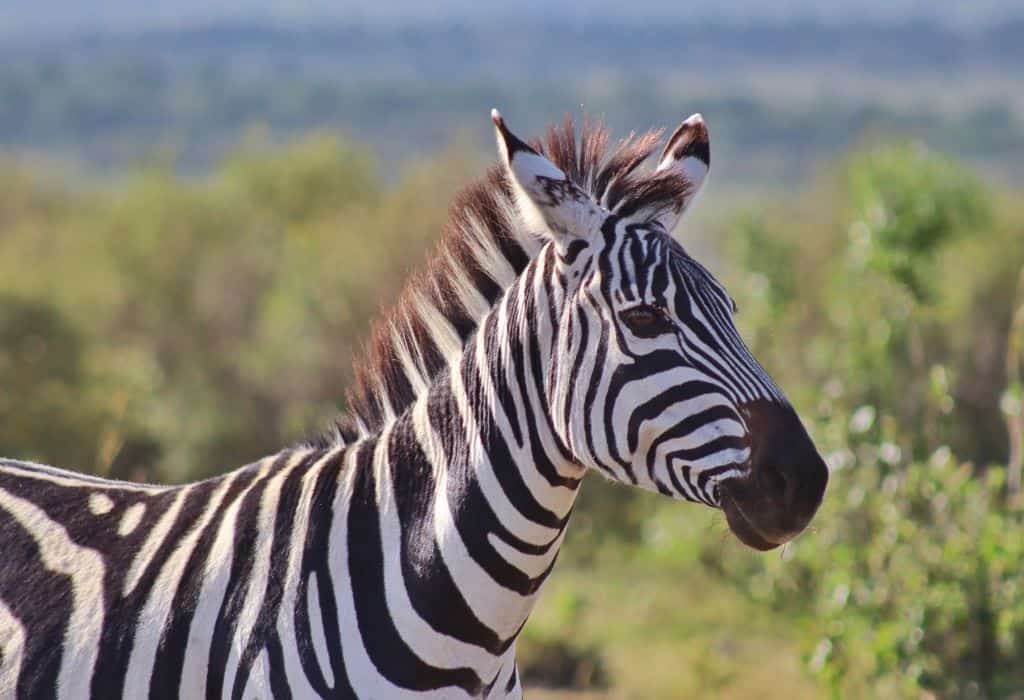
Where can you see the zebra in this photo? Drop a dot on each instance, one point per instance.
(558, 329)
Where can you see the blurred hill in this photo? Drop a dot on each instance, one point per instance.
(106, 89)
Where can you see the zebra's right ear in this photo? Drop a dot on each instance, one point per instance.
(688, 152)
(547, 199)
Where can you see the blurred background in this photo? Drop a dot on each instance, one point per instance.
(203, 204)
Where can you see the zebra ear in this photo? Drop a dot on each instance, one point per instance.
(547, 198)
(688, 152)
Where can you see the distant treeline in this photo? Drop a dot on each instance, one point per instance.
(559, 47)
(108, 100)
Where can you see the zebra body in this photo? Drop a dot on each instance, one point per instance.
(402, 555)
(248, 585)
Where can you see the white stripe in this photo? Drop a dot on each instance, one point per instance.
(215, 582)
(532, 565)
(257, 684)
(433, 647)
(154, 539)
(316, 628)
(361, 669)
(100, 504)
(131, 518)
(644, 389)
(259, 574)
(62, 477)
(153, 617)
(12, 651)
(286, 618)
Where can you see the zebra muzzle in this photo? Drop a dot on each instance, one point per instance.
(779, 495)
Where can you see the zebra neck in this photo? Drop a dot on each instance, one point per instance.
(461, 505)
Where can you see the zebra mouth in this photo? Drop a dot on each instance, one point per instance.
(745, 531)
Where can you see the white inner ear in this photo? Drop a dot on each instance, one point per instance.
(530, 165)
(528, 209)
(549, 202)
(695, 171)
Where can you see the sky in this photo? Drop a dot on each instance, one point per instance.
(18, 17)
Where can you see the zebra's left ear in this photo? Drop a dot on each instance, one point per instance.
(547, 198)
(687, 152)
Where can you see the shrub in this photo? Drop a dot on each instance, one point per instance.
(910, 574)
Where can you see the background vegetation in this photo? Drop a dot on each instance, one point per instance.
(180, 294)
(170, 329)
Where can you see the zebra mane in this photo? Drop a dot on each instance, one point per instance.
(483, 249)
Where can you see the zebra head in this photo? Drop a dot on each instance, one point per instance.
(650, 382)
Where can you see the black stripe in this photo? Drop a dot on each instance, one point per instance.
(431, 588)
(499, 378)
(315, 563)
(475, 518)
(658, 404)
(170, 656)
(381, 639)
(41, 600)
(242, 560)
(590, 397)
(264, 631)
(119, 629)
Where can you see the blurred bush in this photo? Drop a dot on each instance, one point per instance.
(43, 380)
(171, 328)
(220, 314)
(889, 325)
(554, 657)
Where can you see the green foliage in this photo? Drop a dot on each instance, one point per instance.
(898, 295)
(172, 328)
(910, 203)
(551, 658)
(911, 570)
(213, 321)
(41, 357)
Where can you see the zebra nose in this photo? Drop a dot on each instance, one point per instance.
(780, 494)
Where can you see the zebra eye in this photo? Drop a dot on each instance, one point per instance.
(645, 321)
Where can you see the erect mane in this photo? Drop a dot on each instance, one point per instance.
(483, 249)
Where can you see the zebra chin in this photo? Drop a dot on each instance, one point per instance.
(775, 500)
(748, 533)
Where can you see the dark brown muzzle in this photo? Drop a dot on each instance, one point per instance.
(776, 500)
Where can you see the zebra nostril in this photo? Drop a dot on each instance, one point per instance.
(774, 481)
